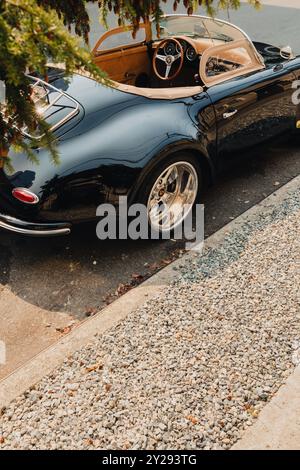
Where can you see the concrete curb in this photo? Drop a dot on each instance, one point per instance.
(278, 425)
(46, 361)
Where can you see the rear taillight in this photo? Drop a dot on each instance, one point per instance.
(25, 196)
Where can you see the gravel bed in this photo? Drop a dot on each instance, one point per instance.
(190, 369)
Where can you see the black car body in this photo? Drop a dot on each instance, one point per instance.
(120, 135)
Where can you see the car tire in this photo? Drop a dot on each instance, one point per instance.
(187, 169)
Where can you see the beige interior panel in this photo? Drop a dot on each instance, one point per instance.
(110, 63)
(160, 93)
(249, 62)
(125, 65)
(135, 61)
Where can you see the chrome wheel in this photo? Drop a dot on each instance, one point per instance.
(172, 196)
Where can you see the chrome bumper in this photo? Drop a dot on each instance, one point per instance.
(33, 229)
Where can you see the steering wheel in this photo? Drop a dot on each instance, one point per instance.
(168, 58)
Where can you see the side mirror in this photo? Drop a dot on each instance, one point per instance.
(287, 53)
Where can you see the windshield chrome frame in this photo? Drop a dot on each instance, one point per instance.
(203, 17)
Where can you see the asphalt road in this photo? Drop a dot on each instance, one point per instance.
(79, 274)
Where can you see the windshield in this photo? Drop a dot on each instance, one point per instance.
(197, 27)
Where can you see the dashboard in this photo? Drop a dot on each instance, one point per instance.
(190, 53)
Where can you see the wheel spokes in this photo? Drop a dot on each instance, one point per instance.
(185, 182)
(161, 57)
(170, 176)
(168, 69)
(172, 196)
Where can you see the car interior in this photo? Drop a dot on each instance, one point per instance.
(181, 57)
(134, 65)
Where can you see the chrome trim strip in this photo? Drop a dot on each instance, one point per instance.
(45, 85)
(220, 21)
(26, 231)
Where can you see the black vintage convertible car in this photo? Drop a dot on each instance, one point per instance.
(177, 108)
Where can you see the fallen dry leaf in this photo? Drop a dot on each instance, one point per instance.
(89, 312)
(154, 266)
(192, 419)
(73, 266)
(166, 261)
(94, 367)
(123, 288)
(64, 330)
(136, 276)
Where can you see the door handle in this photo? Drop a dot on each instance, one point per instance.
(278, 67)
(229, 114)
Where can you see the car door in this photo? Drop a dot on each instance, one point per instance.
(252, 107)
(122, 56)
(295, 65)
